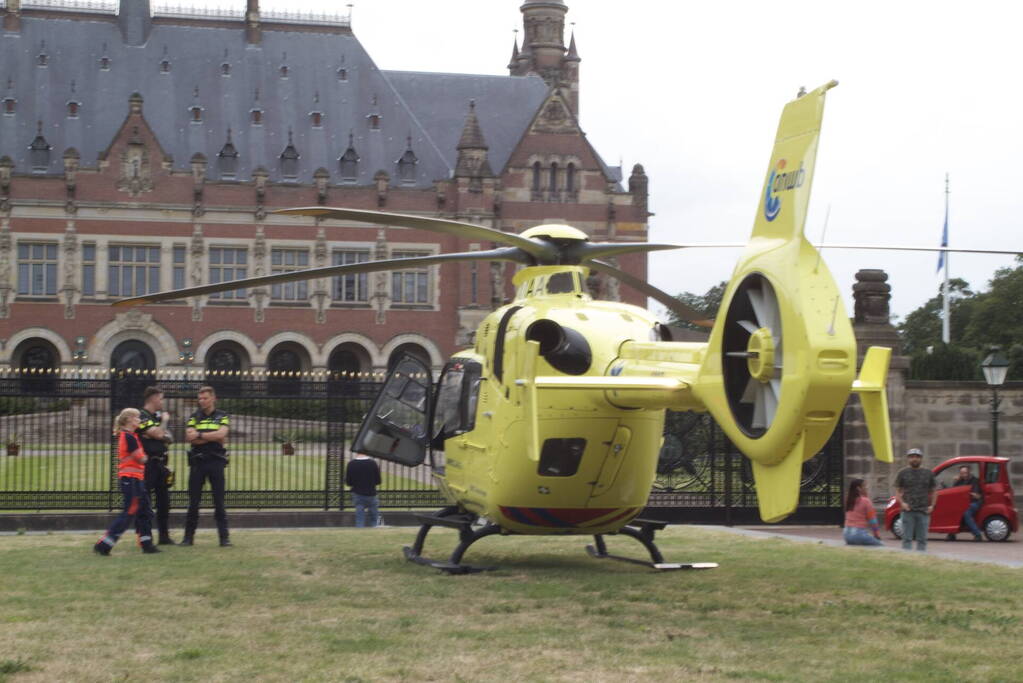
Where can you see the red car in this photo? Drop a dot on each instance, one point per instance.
(997, 517)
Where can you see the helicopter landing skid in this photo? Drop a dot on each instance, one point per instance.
(643, 530)
(453, 518)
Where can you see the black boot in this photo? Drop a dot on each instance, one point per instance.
(101, 548)
(148, 548)
(225, 542)
(187, 540)
(165, 539)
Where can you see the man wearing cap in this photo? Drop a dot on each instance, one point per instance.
(915, 491)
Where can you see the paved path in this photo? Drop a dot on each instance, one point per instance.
(1007, 554)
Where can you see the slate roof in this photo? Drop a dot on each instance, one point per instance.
(406, 102)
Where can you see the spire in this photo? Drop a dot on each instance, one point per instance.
(573, 54)
(515, 52)
(472, 150)
(472, 135)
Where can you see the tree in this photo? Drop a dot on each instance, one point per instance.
(708, 303)
(922, 327)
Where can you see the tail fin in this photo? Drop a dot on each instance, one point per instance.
(871, 388)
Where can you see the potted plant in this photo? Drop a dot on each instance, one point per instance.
(13, 444)
(287, 440)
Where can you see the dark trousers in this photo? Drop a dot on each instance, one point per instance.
(156, 485)
(135, 508)
(212, 469)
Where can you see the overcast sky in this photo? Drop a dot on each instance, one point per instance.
(693, 91)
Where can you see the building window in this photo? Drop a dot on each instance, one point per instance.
(284, 71)
(179, 268)
(342, 74)
(257, 117)
(9, 106)
(165, 66)
(354, 287)
(570, 188)
(552, 186)
(226, 264)
(196, 114)
(411, 286)
(225, 69)
(37, 269)
(133, 271)
(317, 119)
(287, 261)
(536, 181)
(88, 270)
(104, 63)
(374, 121)
(72, 109)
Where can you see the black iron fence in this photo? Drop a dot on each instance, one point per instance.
(290, 438)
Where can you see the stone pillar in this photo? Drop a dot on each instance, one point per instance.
(872, 327)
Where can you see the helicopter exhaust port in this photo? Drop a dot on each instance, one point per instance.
(564, 349)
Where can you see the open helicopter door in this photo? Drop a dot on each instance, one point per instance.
(397, 427)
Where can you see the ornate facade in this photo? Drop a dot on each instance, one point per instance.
(143, 152)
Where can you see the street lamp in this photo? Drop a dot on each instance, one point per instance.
(187, 355)
(79, 355)
(995, 367)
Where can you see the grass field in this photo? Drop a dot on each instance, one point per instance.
(343, 605)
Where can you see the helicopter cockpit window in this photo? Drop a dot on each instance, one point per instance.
(457, 393)
(404, 403)
(561, 457)
(561, 283)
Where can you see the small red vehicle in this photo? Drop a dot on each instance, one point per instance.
(997, 517)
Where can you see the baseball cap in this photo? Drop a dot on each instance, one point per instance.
(914, 451)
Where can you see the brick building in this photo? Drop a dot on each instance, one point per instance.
(143, 151)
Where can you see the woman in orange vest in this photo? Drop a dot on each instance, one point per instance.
(131, 468)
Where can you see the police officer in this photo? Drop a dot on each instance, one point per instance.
(155, 438)
(206, 431)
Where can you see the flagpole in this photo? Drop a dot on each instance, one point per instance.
(945, 331)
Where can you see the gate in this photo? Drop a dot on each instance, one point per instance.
(702, 477)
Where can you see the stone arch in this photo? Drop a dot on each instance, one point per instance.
(243, 344)
(36, 353)
(132, 353)
(315, 358)
(369, 347)
(349, 358)
(288, 356)
(432, 353)
(139, 326)
(64, 352)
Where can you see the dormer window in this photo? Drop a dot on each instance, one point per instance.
(196, 113)
(374, 121)
(228, 159)
(316, 118)
(165, 66)
(104, 63)
(72, 109)
(257, 117)
(225, 69)
(9, 106)
(342, 74)
(407, 165)
(350, 162)
(43, 59)
(289, 160)
(284, 70)
(39, 151)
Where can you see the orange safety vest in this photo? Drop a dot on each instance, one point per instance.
(131, 459)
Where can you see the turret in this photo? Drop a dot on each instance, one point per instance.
(472, 151)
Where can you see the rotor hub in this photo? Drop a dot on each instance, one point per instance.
(761, 355)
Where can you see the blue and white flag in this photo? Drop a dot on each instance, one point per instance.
(944, 243)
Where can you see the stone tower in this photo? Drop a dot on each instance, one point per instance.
(543, 49)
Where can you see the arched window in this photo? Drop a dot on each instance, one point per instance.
(536, 180)
(224, 363)
(570, 188)
(552, 185)
(407, 167)
(286, 361)
(36, 357)
(132, 355)
(411, 349)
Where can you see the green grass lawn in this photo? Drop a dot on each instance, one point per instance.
(343, 605)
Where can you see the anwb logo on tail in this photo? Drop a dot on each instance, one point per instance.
(780, 181)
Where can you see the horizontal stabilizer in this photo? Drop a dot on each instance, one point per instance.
(778, 485)
(871, 388)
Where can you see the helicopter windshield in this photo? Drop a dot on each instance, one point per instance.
(396, 427)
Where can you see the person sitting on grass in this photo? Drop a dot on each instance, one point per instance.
(131, 467)
(860, 518)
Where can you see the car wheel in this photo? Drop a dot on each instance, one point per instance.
(996, 528)
(897, 527)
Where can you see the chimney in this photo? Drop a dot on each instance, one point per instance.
(12, 16)
(135, 20)
(253, 32)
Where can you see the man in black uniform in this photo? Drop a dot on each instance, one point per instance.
(155, 437)
(206, 431)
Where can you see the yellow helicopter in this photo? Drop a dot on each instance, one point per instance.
(552, 422)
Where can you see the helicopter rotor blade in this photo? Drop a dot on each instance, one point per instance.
(541, 251)
(583, 252)
(680, 309)
(513, 254)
